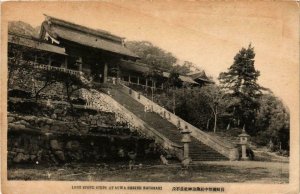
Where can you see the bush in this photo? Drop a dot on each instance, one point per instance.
(261, 138)
(24, 107)
(79, 101)
(19, 93)
(283, 153)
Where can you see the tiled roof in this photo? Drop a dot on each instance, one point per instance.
(200, 75)
(60, 29)
(182, 78)
(34, 43)
(134, 66)
(143, 68)
(101, 33)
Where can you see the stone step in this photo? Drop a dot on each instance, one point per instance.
(198, 150)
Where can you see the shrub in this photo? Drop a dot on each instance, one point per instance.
(17, 93)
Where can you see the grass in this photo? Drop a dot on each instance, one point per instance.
(218, 172)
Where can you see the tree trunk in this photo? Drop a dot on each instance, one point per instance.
(207, 124)
(228, 126)
(215, 112)
(174, 102)
(215, 122)
(152, 90)
(69, 93)
(37, 93)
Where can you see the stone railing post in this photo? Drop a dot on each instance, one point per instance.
(244, 142)
(186, 139)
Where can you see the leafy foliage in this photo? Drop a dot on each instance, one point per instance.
(152, 55)
(173, 80)
(217, 101)
(241, 81)
(154, 74)
(22, 74)
(20, 27)
(71, 83)
(272, 122)
(183, 69)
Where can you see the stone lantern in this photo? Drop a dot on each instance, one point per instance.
(244, 137)
(186, 139)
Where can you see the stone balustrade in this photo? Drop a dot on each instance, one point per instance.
(97, 100)
(49, 67)
(230, 151)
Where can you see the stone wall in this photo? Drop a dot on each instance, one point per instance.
(39, 140)
(51, 131)
(30, 148)
(24, 80)
(61, 111)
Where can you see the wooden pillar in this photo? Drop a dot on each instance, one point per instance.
(138, 80)
(49, 60)
(35, 59)
(105, 73)
(65, 64)
(20, 55)
(80, 64)
(129, 78)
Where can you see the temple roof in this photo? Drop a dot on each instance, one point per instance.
(32, 42)
(182, 78)
(143, 68)
(134, 66)
(199, 75)
(99, 39)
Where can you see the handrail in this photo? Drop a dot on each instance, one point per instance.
(176, 117)
(49, 67)
(180, 123)
(114, 106)
(79, 74)
(132, 120)
(144, 86)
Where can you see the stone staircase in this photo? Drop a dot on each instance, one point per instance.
(198, 150)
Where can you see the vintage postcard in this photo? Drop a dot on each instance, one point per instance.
(149, 97)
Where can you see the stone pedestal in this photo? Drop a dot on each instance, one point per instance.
(186, 150)
(244, 142)
(186, 139)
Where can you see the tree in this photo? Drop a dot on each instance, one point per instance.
(20, 27)
(183, 69)
(216, 100)
(152, 55)
(155, 75)
(23, 75)
(192, 106)
(45, 78)
(241, 81)
(16, 66)
(273, 122)
(71, 83)
(174, 82)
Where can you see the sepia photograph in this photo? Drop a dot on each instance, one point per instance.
(173, 96)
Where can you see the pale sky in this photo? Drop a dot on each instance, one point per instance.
(208, 34)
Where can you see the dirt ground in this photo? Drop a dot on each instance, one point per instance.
(219, 172)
